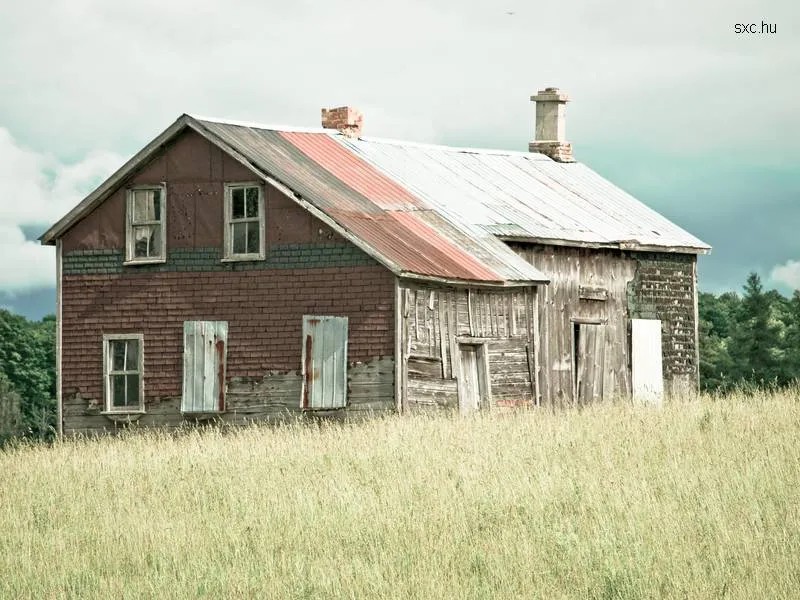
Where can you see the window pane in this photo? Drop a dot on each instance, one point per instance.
(253, 237)
(146, 205)
(239, 238)
(252, 202)
(144, 240)
(157, 205)
(117, 391)
(237, 211)
(132, 363)
(133, 390)
(139, 206)
(118, 351)
(124, 355)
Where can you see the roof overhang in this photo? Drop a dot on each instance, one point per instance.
(621, 245)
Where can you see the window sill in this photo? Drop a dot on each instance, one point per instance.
(149, 261)
(202, 416)
(123, 417)
(243, 258)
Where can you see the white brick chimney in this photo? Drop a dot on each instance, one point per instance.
(346, 119)
(550, 135)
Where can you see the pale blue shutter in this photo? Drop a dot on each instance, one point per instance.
(324, 363)
(205, 346)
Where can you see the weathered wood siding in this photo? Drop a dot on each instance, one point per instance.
(273, 397)
(607, 288)
(435, 319)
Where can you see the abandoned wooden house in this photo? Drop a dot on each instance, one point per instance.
(236, 271)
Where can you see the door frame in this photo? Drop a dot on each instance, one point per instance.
(484, 382)
(573, 323)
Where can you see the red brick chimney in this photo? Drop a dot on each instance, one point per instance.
(346, 119)
(550, 133)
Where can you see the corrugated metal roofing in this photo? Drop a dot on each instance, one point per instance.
(430, 211)
(523, 195)
(378, 210)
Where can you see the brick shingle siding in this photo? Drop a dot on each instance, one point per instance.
(264, 309)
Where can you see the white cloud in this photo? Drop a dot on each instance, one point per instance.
(670, 74)
(38, 189)
(788, 274)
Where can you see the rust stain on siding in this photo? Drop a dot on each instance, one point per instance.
(308, 371)
(221, 372)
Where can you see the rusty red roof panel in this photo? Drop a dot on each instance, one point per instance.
(388, 218)
(410, 242)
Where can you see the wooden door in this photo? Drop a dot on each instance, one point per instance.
(588, 358)
(472, 383)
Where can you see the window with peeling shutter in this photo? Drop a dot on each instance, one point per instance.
(205, 345)
(646, 364)
(324, 362)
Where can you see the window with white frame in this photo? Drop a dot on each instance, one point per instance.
(123, 368)
(146, 240)
(244, 221)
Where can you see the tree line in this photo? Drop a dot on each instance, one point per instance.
(749, 341)
(746, 342)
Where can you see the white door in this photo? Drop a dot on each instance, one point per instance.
(647, 378)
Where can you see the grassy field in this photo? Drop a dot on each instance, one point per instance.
(700, 499)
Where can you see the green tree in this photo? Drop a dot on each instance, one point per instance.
(27, 359)
(792, 338)
(10, 411)
(755, 341)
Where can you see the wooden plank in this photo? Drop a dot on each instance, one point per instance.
(416, 314)
(429, 367)
(452, 324)
(443, 336)
(398, 346)
(536, 337)
(586, 292)
(469, 312)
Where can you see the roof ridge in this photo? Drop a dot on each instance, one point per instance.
(372, 139)
(265, 126)
(462, 149)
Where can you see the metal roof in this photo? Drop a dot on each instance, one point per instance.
(379, 212)
(520, 195)
(428, 211)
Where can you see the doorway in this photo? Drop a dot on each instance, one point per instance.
(473, 385)
(587, 361)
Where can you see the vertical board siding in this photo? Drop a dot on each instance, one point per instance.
(434, 318)
(646, 360)
(324, 363)
(204, 362)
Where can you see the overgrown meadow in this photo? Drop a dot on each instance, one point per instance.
(698, 499)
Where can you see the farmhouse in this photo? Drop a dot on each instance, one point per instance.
(236, 271)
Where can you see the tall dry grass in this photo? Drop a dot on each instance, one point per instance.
(700, 499)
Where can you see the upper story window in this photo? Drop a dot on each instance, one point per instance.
(145, 231)
(244, 221)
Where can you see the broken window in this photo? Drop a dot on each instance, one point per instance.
(244, 221)
(123, 367)
(145, 225)
(324, 362)
(204, 358)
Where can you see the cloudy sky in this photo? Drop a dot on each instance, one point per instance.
(669, 102)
